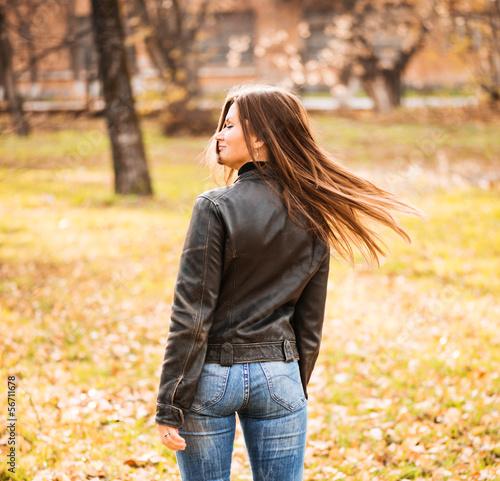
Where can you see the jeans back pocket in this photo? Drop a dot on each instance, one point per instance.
(211, 388)
(285, 386)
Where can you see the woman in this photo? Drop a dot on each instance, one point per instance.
(250, 295)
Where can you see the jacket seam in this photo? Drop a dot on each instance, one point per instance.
(231, 188)
(253, 344)
(234, 255)
(198, 314)
(219, 196)
(263, 359)
(226, 229)
(217, 207)
(233, 293)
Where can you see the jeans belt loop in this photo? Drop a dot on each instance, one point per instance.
(226, 354)
(287, 349)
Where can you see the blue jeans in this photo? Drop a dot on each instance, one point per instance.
(272, 409)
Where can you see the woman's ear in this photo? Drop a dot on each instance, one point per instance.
(258, 143)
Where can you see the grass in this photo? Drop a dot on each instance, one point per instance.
(407, 383)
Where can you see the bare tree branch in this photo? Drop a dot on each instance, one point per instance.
(55, 48)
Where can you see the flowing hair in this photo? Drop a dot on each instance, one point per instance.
(333, 203)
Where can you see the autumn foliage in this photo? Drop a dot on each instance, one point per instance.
(407, 382)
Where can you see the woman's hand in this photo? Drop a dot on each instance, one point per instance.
(170, 438)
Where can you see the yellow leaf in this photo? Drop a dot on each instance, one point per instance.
(95, 469)
(476, 430)
(355, 453)
(410, 442)
(453, 416)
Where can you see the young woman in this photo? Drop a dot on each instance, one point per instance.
(250, 295)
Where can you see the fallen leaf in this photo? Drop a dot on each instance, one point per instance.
(410, 443)
(453, 416)
(477, 430)
(95, 469)
(143, 459)
(141, 475)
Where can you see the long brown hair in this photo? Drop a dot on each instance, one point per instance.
(336, 204)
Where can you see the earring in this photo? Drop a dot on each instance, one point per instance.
(257, 153)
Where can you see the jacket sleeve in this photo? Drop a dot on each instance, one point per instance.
(195, 298)
(308, 319)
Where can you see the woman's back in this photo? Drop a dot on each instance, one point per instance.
(267, 261)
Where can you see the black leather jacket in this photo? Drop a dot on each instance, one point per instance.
(251, 287)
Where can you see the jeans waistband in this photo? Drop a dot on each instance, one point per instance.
(228, 354)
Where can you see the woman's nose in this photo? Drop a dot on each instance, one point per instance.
(219, 136)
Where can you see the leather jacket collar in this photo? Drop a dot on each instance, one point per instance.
(250, 166)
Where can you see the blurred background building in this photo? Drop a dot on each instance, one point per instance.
(280, 41)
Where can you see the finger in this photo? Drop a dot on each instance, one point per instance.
(174, 433)
(177, 439)
(171, 438)
(174, 445)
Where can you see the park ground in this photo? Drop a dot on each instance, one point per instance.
(407, 384)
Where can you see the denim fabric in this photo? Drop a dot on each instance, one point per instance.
(269, 399)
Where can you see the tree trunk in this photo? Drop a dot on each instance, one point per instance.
(392, 81)
(377, 90)
(495, 53)
(382, 85)
(384, 89)
(129, 160)
(7, 79)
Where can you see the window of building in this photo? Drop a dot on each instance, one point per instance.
(319, 23)
(84, 53)
(85, 61)
(228, 39)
